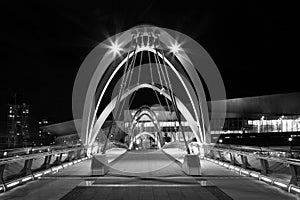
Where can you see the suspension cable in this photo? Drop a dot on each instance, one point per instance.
(174, 103)
(117, 102)
(130, 76)
(158, 70)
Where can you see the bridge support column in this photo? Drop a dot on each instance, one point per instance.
(232, 158)
(99, 165)
(46, 163)
(295, 172)
(27, 167)
(245, 163)
(191, 165)
(264, 166)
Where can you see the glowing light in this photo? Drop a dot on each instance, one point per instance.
(115, 48)
(280, 184)
(175, 48)
(295, 189)
(12, 184)
(266, 179)
(290, 139)
(38, 175)
(254, 175)
(27, 179)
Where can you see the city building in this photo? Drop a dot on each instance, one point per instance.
(44, 137)
(18, 122)
(249, 121)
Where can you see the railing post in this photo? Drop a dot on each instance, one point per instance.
(58, 159)
(295, 179)
(212, 154)
(2, 168)
(232, 158)
(264, 166)
(221, 157)
(78, 152)
(70, 156)
(46, 163)
(27, 167)
(245, 163)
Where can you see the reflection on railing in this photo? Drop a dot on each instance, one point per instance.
(15, 170)
(266, 164)
(6, 153)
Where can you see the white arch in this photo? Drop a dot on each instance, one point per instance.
(150, 114)
(191, 95)
(181, 107)
(145, 133)
(201, 112)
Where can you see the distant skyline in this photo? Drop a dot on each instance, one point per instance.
(44, 43)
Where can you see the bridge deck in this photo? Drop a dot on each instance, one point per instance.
(148, 175)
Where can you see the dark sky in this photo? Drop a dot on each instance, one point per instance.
(43, 44)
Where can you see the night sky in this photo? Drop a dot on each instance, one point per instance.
(43, 44)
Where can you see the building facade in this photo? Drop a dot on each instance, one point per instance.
(18, 122)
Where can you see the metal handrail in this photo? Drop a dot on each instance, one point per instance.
(287, 161)
(37, 155)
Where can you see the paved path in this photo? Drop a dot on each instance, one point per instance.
(149, 175)
(145, 164)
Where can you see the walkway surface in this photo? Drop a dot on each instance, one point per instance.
(146, 175)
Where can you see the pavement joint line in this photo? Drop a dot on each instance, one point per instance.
(142, 185)
(125, 178)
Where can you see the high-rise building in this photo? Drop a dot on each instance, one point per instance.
(18, 121)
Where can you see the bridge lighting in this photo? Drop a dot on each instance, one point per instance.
(175, 48)
(115, 48)
(12, 184)
(290, 139)
(220, 140)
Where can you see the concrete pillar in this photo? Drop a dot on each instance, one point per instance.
(245, 163)
(264, 166)
(232, 158)
(191, 165)
(295, 172)
(99, 165)
(27, 167)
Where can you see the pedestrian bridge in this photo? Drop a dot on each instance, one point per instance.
(150, 59)
(148, 174)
